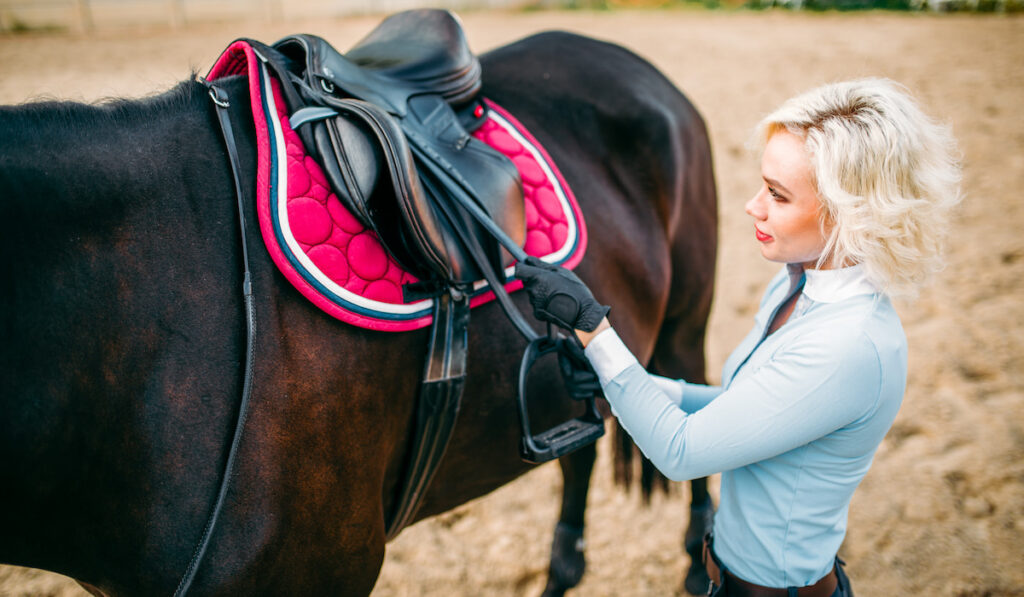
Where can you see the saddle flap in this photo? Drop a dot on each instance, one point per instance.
(353, 164)
(460, 163)
(416, 243)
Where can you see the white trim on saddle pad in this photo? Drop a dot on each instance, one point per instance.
(563, 252)
(295, 250)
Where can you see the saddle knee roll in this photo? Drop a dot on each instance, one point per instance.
(351, 163)
(369, 165)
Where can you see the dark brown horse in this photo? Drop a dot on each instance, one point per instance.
(121, 367)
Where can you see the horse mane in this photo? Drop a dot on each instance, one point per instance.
(68, 151)
(71, 115)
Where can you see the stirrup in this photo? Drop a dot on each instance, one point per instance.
(561, 439)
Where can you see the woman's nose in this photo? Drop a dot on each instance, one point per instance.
(755, 207)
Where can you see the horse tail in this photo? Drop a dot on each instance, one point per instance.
(690, 212)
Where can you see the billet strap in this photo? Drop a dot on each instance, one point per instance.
(438, 405)
(220, 100)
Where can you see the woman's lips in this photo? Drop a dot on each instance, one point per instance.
(761, 236)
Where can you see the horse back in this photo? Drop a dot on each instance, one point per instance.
(637, 154)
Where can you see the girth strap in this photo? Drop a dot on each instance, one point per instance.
(438, 404)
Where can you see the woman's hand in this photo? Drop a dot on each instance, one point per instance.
(559, 297)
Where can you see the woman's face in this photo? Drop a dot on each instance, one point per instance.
(786, 209)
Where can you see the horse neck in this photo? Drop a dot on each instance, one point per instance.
(83, 164)
(104, 208)
(119, 248)
(86, 190)
(94, 196)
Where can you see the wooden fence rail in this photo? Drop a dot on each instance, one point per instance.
(87, 15)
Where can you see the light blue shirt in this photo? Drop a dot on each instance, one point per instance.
(792, 429)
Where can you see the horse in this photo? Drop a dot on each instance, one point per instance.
(125, 334)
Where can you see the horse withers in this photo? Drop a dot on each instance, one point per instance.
(122, 366)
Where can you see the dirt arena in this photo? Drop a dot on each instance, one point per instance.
(942, 510)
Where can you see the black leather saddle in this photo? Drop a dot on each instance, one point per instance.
(390, 122)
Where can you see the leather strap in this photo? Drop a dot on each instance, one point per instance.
(441, 390)
(438, 404)
(457, 219)
(220, 100)
(733, 586)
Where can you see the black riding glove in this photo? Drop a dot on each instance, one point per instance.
(559, 297)
(578, 375)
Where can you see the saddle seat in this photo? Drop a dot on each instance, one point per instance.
(424, 47)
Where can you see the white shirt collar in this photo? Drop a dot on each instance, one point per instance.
(834, 285)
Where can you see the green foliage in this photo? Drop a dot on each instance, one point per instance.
(982, 6)
(16, 26)
(842, 5)
(611, 5)
(537, 5)
(896, 5)
(587, 4)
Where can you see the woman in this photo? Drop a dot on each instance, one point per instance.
(857, 187)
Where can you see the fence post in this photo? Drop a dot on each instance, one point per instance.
(177, 14)
(83, 16)
(274, 12)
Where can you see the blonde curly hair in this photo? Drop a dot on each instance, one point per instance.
(887, 175)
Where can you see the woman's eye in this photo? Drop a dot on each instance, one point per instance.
(775, 194)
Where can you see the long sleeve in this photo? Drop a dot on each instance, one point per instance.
(810, 388)
(690, 397)
(610, 356)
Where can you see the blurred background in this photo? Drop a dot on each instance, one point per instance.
(942, 510)
(88, 15)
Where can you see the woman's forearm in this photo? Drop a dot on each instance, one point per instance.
(586, 337)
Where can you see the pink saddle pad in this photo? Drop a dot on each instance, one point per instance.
(337, 263)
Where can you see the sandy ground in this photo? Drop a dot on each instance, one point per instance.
(942, 510)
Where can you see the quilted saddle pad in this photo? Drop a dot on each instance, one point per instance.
(341, 266)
